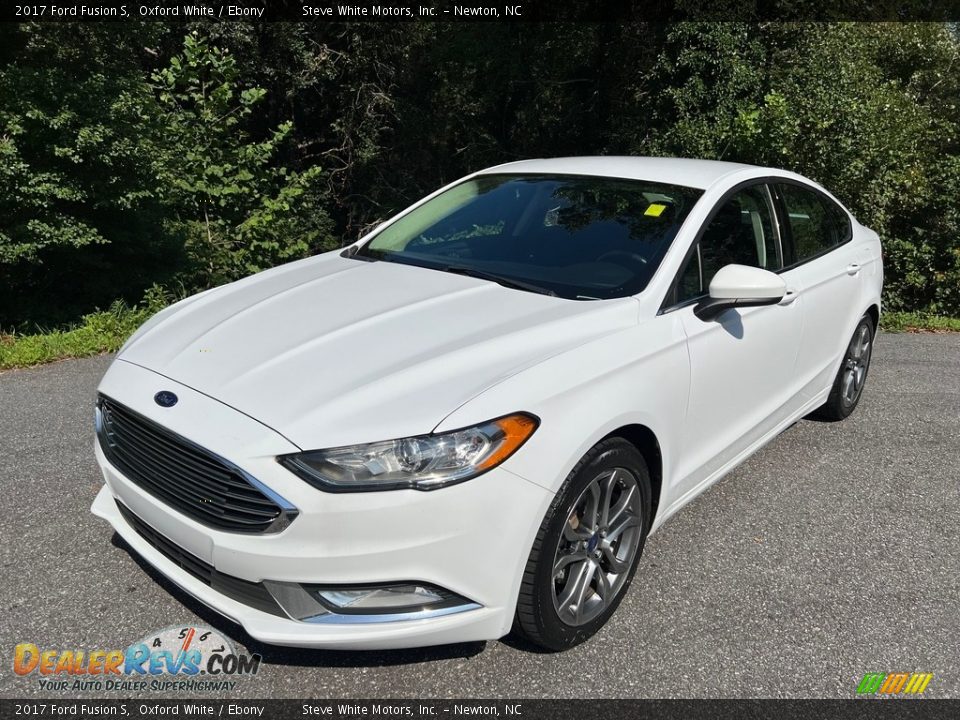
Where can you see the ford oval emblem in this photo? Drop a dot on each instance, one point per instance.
(165, 398)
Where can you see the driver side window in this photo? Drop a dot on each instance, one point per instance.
(741, 232)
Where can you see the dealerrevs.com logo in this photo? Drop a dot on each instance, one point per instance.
(895, 683)
(188, 659)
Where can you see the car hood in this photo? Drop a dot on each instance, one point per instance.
(334, 351)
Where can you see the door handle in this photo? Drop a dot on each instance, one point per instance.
(788, 297)
(853, 268)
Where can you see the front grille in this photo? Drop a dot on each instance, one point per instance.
(183, 475)
(252, 594)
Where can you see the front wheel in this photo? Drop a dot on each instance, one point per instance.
(587, 549)
(852, 376)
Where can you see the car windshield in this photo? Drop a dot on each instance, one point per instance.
(583, 238)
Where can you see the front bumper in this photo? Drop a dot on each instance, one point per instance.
(472, 539)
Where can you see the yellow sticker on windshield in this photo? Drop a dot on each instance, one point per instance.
(655, 210)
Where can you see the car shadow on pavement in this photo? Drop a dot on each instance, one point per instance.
(302, 657)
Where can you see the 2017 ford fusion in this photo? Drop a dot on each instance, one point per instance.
(471, 419)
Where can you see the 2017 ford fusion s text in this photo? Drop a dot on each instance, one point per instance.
(471, 419)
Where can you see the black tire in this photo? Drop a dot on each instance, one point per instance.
(537, 618)
(840, 404)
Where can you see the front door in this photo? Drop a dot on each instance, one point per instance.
(742, 362)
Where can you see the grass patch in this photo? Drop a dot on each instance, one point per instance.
(98, 332)
(913, 322)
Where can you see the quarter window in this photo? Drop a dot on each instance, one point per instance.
(815, 224)
(740, 233)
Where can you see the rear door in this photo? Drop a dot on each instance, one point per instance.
(820, 258)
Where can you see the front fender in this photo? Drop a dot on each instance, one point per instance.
(639, 376)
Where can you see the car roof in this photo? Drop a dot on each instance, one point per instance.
(673, 171)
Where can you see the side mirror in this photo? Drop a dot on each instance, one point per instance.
(740, 286)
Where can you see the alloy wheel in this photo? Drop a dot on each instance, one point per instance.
(597, 547)
(855, 364)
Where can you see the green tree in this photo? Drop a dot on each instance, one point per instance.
(868, 110)
(237, 208)
(76, 193)
(131, 155)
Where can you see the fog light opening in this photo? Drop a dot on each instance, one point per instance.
(368, 603)
(379, 599)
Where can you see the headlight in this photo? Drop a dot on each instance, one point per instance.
(425, 462)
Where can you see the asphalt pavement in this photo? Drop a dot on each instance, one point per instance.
(831, 553)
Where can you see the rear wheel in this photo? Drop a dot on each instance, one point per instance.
(852, 375)
(587, 549)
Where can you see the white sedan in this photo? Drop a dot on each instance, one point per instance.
(470, 420)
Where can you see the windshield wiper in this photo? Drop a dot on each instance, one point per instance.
(469, 272)
(499, 279)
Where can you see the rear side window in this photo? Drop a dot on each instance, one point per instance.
(815, 224)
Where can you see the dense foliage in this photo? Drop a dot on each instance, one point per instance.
(134, 155)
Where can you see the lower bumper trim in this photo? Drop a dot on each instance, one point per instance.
(252, 594)
(286, 600)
